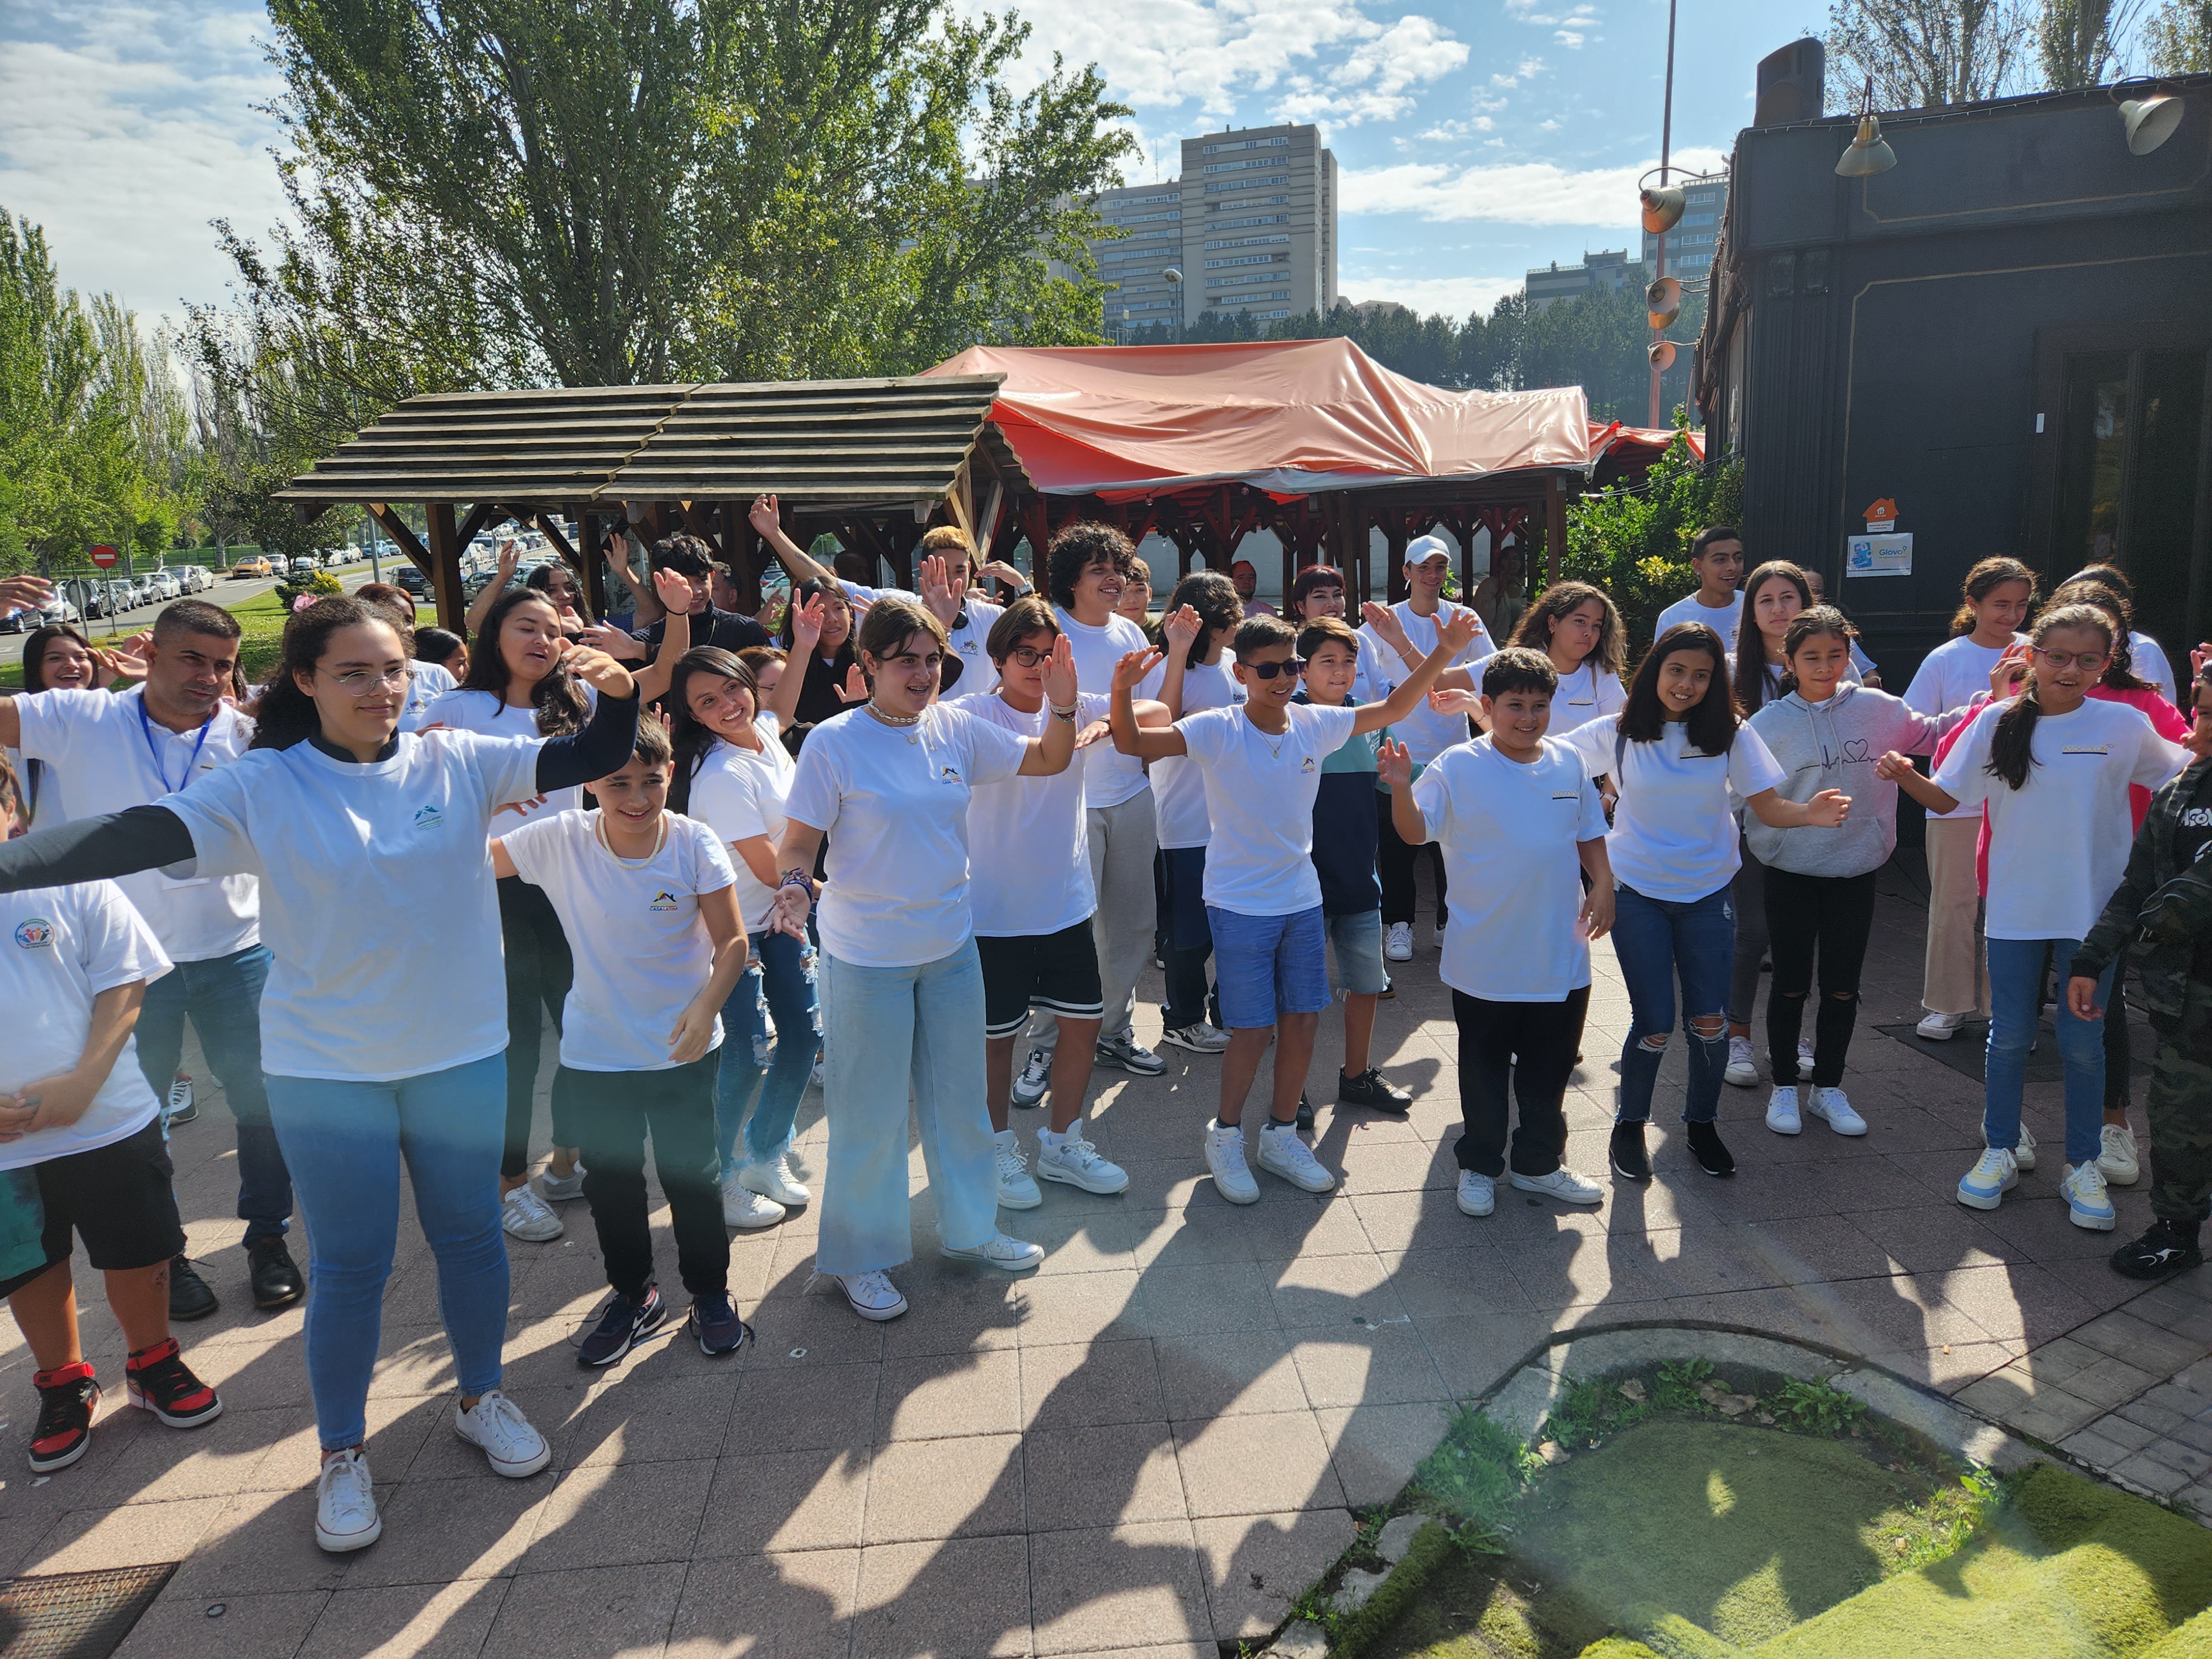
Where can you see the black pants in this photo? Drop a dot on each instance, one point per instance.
(1834, 915)
(1393, 862)
(539, 971)
(1530, 1048)
(1179, 883)
(2119, 1052)
(612, 1111)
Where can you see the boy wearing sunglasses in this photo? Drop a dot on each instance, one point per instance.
(1261, 764)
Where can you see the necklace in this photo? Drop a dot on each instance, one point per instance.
(659, 841)
(905, 722)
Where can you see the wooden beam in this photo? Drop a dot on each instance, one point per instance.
(1555, 527)
(402, 537)
(592, 569)
(444, 573)
(747, 558)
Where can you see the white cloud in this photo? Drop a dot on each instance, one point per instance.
(1522, 193)
(1452, 296)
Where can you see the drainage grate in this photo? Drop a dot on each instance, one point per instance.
(75, 1615)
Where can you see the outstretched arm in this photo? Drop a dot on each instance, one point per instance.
(606, 744)
(1454, 637)
(1894, 768)
(1147, 741)
(675, 636)
(487, 596)
(802, 565)
(96, 849)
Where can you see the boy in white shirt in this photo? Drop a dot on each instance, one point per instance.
(1516, 817)
(1716, 555)
(1262, 765)
(648, 899)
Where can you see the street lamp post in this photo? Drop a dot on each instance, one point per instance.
(1175, 287)
(1666, 148)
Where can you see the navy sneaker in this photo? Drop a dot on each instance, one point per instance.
(621, 1325)
(714, 1320)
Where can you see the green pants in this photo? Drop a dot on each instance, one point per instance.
(2179, 1106)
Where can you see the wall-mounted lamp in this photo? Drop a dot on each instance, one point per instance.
(1870, 152)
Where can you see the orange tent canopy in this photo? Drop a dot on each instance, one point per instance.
(1640, 445)
(1290, 418)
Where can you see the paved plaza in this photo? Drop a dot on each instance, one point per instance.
(1150, 1446)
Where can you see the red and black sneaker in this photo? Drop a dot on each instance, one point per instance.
(161, 1382)
(67, 1399)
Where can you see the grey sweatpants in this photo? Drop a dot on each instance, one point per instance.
(1123, 839)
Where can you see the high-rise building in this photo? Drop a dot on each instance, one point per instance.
(1609, 269)
(1690, 243)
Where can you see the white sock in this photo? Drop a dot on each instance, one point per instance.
(1050, 1139)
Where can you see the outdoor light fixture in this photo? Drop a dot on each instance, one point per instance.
(1663, 301)
(2148, 121)
(1663, 209)
(1661, 355)
(1868, 154)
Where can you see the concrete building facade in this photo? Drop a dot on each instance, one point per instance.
(1608, 269)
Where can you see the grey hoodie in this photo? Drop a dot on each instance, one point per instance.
(1834, 745)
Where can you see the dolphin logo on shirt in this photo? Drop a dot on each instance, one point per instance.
(949, 773)
(662, 901)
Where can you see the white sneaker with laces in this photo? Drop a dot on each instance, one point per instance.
(559, 1190)
(1994, 1174)
(1805, 1060)
(1398, 942)
(1834, 1107)
(1282, 1153)
(1203, 1038)
(775, 1179)
(1742, 1069)
(746, 1209)
(180, 1096)
(1224, 1162)
(2115, 1157)
(2088, 1204)
(497, 1426)
(1016, 1255)
(1017, 1191)
(873, 1295)
(1940, 1027)
(345, 1505)
(1563, 1184)
(1035, 1077)
(526, 1216)
(1781, 1115)
(2023, 1155)
(1071, 1158)
(1478, 1193)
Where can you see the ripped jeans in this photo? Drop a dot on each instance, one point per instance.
(781, 978)
(1658, 940)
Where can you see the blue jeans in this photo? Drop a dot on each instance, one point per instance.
(2016, 996)
(344, 1140)
(781, 979)
(886, 1030)
(1658, 940)
(223, 997)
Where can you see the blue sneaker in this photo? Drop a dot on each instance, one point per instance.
(621, 1325)
(1994, 1174)
(2088, 1204)
(714, 1320)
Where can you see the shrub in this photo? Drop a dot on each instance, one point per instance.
(1634, 542)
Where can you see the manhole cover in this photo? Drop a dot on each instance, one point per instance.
(75, 1615)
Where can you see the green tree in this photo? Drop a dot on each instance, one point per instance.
(1924, 53)
(1635, 542)
(2078, 43)
(2179, 37)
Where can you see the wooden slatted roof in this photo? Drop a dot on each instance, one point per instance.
(844, 443)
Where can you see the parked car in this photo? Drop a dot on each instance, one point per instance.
(412, 581)
(20, 621)
(59, 609)
(165, 584)
(199, 578)
(257, 566)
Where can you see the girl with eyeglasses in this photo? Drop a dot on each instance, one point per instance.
(382, 1040)
(2051, 766)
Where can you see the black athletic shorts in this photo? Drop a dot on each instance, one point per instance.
(116, 1198)
(1059, 971)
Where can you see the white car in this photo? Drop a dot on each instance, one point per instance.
(166, 585)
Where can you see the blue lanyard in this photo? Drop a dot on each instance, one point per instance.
(161, 770)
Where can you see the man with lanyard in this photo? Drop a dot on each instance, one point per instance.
(113, 752)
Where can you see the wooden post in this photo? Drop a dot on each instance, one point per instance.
(446, 566)
(1555, 529)
(591, 569)
(1394, 535)
(741, 545)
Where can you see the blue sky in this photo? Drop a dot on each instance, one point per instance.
(1476, 139)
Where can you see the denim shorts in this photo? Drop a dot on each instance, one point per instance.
(1358, 941)
(1264, 966)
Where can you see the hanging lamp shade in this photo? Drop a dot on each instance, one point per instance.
(2150, 121)
(1661, 353)
(1662, 300)
(1868, 154)
(1663, 209)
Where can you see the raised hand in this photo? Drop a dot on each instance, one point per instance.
(856, 688)
(1452, 700)
(510, 554)
(1384, 621)
(1060, 687)
(1394, 764)
(598, 670)
(673, 589)
(807, 625)
(612, 642)
(24, 592)
(2007, 672)
(999, 570)
(1180, 629)
(1458, 632)
(763, 515)
(125, 659)
(934, 583)
(1130, 671)
(1828, 809)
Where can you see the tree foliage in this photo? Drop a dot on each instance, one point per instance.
(2179, 37)
(2080, 43)
(1635, 542)
(1923, 53)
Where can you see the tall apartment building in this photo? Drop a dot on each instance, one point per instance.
(1251, 224)
(1609, 268)
(1690, 243)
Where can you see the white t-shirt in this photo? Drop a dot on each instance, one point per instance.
(1950, 676)
(1178, 786)
(641, 952)
(2058, 846)
(1379, 671)
(894, 801)
(1509, 832)
(1029, 836)
(1260, 794)
(2150, 663)
(1693, 610)
(1674, 837)
(967, 638)
(741, 794)
(1109, 777)
(60, 947)
(377, 898)
(1425, 732)
(431, 682)
(101, 759)
(487, 712)
(1590, 693)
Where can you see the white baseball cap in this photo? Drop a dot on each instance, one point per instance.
(1422, 548)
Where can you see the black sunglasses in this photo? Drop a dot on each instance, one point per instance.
(1268, 671)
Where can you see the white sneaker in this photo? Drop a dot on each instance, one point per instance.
(1224, 1162)
(2116, 1155)
(2023, 1155)
(1941, 1028)
(1805, 1059)
(742, 1207)
(1436, 935)
(1781, 1115)
(1834, 1107)
(559, 1190)
(181, 1100)
(1478, 1194)
(1016, 1255)
(1282, 1153)
(1742, 1070)
(1017, 1191)
(873, 1295)
(773, 1179)
(1398, 942)
(1994, 1174)
(1036, 1077)
(2088, 1204)
(345, 1505)
(525, 1215)
(1071, 1158)
(814, 1077)
(1203, 1038)
(1563, 1184)
(497, 1426)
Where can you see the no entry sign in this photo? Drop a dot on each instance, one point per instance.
(104, 556)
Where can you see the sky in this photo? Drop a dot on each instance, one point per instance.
(1474, 139)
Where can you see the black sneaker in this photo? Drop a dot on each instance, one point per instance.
(1372, 1090)
(1711, 1153)
(67, 1399)
(714, 1320)
(161, 1382)
(190, 1298)
(1630, 1160)
(1305, 1111)
(274, 1276)
(2170, 1247)
(621, 1325)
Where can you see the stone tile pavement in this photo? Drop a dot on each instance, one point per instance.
(1150, 1446)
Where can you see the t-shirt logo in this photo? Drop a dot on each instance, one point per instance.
(949, 773)
(428, 817)
(35, 935)
(1307, 764)
(662, 901)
